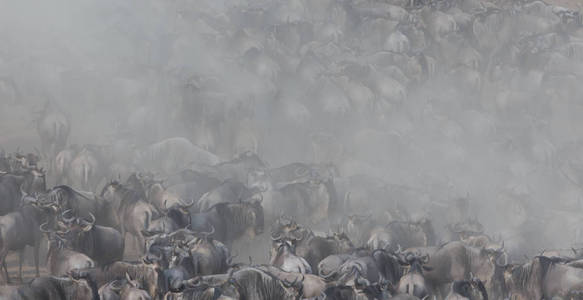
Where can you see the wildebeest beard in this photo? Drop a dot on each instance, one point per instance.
(237, 216)
(66, 288)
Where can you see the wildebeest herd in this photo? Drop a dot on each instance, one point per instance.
(204, 215)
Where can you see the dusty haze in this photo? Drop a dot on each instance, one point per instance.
(494, 115)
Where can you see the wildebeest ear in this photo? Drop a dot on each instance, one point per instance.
(427, 268)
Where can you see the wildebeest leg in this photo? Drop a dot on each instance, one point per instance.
(35, 250)
(141, 243)
(3, 258)
(20, 259)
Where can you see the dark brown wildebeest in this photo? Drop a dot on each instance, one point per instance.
(230, 220)
(103, 244)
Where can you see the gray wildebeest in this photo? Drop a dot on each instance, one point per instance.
(53, 129)
(472, 289)
(456, 261)
(543, 278)
(285, 258)
(52, 288)
(231, 220)
(60, 259)
(19, 229)
(84, 171)
(146, 275)
(133, 213)
(172, 155)
(248, 283)
(103, 244)
(413, 282)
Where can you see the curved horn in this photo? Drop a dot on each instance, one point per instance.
(185, 204)
(206, 234)
(275, 238)
(42, 228)
(92, 222)
(293, 284)
(65, 219)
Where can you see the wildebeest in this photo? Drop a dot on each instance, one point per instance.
(472, 289)
(456, 261)
(238, 168)
(63, 197)
(413, 282)
(543, 278)
(62, 163)
(285, 258)
(313, 201)
(13, 185)
(126, 289)
(162, 199)
(230, 220)
(353, 269)
(53, 129)
(192, 184)
(60, 260)
(85, 170)
(148, 276)
(104, 245)
(307, 245)
(228, 191)
(52, 288)
(172, 155)
(310, 285)
(402, 233)
(249, 283)
(19, 229)
(133, 213)
(200, 256)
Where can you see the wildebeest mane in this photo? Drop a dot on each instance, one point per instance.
(522, 274)
(264, 284)
(56, 193)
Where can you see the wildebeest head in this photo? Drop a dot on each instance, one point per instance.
(413, 283)
(259, 179)
(287, 228)
(109, 190)
(34, 181)
(56, 238)
(253, 215)
(79, 287)
(77, 229)
(469, 289)
(344, 244)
